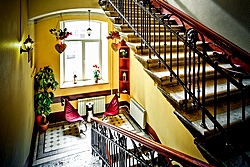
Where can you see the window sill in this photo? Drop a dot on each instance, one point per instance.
(82, 83)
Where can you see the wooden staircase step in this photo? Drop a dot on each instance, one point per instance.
(175, 93)
(210, 131)
(126, 29)
(153, 62)
(133, 20)
(163, 77)
(193, 119)
(112, 13)
(136, 47)
(134, 38)
(221, 153)
(221, 118)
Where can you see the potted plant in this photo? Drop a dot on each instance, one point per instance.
(123, 52)
(60, 35)
(44, 85)
(96, 73)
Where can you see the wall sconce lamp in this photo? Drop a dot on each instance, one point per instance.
(89, 29)
(28, 45)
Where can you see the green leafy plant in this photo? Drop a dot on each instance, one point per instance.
(96, 72)
(123, 52)
(60, 34)
(44, 85)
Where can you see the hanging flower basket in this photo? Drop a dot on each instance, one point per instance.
(60, 35)
(115, 37)
(115, 46)
(60, 47)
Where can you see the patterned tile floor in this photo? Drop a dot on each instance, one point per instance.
(64, 147)
(68, 148)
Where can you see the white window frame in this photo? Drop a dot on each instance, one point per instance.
(103, 58)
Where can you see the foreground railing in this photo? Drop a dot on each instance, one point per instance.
(190, 40)
(118, 147)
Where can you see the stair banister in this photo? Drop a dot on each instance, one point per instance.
(229, 49)
(161, 149)
(187, 20)
(216, 38)
(141, 5)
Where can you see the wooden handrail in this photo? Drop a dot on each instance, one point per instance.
(161, 149)
(216, 38)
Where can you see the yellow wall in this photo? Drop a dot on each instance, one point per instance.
(16, 85)
(47, 55)
(45, 7)
(159, 112)
(160, 116)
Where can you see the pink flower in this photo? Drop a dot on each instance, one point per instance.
(96, 71)
(60, 34)
(113, 35)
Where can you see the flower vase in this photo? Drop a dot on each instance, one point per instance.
(44, 127)
(96, 80)
(90, 115)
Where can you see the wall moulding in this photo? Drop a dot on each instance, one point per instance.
(70, 12)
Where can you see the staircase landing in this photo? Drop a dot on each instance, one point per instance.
(67, 147)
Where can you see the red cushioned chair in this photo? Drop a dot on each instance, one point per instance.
(113, 108)
(72, 116)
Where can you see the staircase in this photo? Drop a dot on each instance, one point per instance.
(197, 75)
(119, 147)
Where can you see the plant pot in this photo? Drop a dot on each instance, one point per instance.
(44, 127)
(96, 80)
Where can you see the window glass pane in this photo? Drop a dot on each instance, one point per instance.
(92, 53)
(95, 27)
(83, 51)
(79, 30)
(73, 60)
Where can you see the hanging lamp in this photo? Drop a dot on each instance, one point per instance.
(89, 29)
